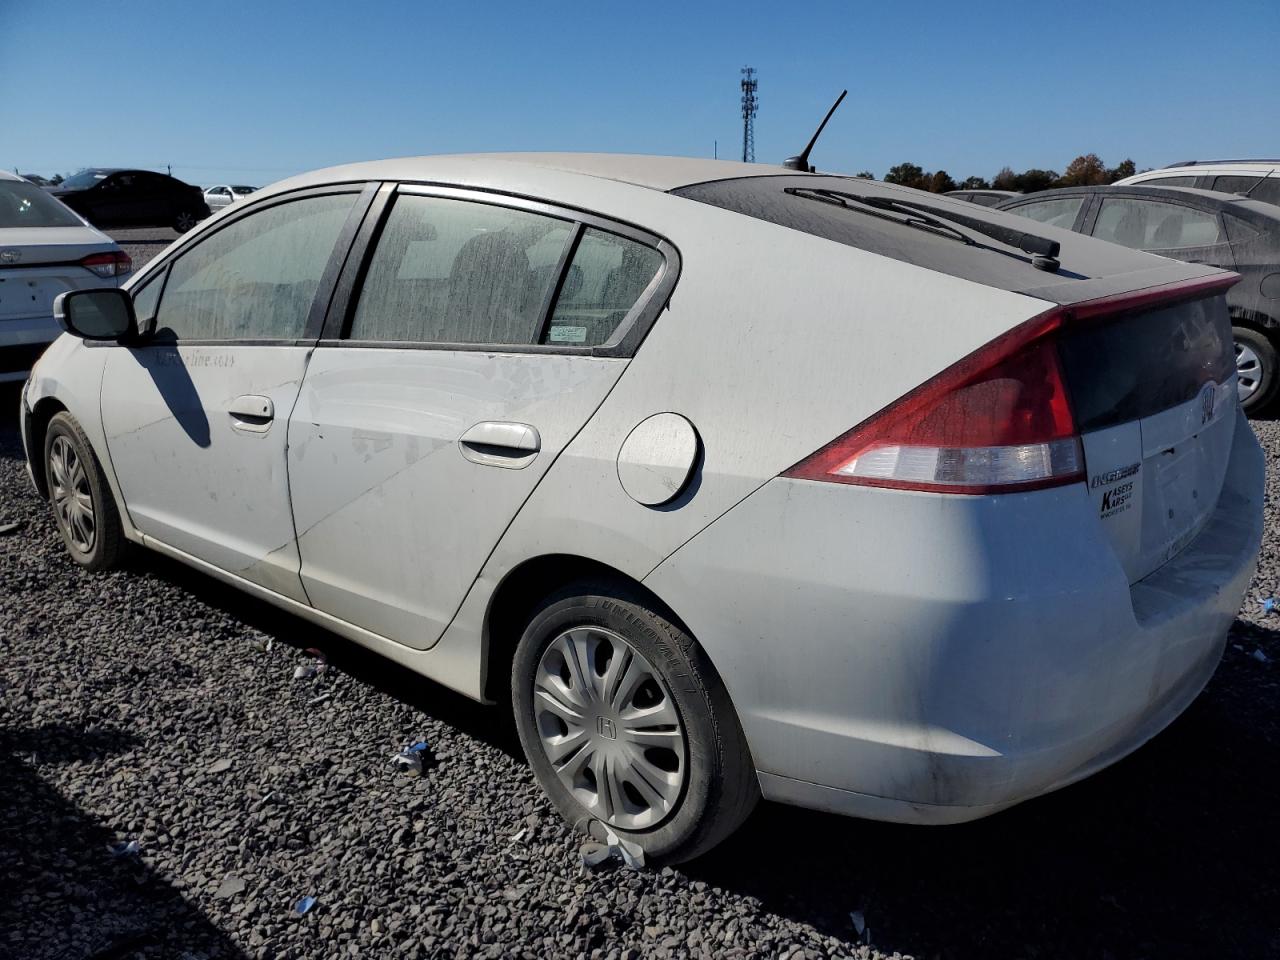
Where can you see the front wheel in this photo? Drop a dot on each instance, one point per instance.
(624, 720)
(83, 505)
(1257, 378)
(184, 221)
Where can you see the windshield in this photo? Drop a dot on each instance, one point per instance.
(83, 179)
(26, 205)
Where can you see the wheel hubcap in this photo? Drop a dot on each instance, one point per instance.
(1248, 371)
(610, 728)
(186, 221)
(72, 502)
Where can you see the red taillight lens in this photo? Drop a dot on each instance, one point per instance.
(106, 265)
(998, 421)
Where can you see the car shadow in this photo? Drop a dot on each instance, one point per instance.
(489, 724)
(62, 891)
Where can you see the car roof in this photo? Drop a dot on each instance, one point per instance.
(1203, 198)
(6, 175)
(654, 172)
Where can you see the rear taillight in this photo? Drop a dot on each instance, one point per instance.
(106, 265)
(998, 421)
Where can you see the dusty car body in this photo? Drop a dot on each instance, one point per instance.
(738, 481)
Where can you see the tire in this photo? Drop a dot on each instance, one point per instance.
(96, 542)
(1258, 369)
(709, 786)
(184, 220)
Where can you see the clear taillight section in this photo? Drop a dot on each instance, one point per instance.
(115, 263)
(999, 421)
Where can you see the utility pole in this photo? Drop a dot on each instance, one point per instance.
(749, 104)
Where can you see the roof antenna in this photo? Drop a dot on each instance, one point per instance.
(1259, 183)
(801, 162)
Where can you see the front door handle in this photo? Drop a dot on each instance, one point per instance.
(496, 443)
(252, 413)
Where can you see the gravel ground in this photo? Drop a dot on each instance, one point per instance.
(145, 705)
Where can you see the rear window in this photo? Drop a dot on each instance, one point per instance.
(1266, 189)
(26, 205)
(1137, 365)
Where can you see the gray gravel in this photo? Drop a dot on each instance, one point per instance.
(144, 705)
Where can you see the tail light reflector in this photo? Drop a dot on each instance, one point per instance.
(115, 263)
(998, 421)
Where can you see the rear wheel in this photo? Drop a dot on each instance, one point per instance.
(1257, 377)
(83, 505)
(184, 221)
(624, 721)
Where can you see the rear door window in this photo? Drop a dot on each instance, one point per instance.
(1155, 225)
(1061, 212)
(456, 271)
(1168, 182)
(606, 277)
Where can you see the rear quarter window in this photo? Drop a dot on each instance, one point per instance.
(606, 277)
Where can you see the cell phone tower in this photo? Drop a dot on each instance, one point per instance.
(749, 104)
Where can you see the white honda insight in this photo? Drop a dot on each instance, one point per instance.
(739, 481)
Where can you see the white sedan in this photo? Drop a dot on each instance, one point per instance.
(738, 481)
(223, 195)
(45, 249)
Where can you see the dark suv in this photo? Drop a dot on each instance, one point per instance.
(1198, 226)
(133, 198)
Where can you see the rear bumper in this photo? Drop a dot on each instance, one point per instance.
(22, 340)
(935, 659)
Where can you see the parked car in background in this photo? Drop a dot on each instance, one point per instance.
(1260, 179)
(133, 198)
(45, 249)
(847, 513)
(1198, 226)
(985, 198)
(224, 195)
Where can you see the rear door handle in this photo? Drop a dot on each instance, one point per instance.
(252, 413)
(496, 443)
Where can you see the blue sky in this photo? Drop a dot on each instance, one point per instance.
(252, 92)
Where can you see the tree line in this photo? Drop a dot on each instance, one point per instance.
(1084, 171)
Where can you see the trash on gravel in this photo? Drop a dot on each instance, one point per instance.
(130, 849)
(231, 885)
(302, 906)
(518, 836)
(409, 760)
(1268, 605)
(594, 853)
(320, 699)
(8, 528)
(1260, 656)
(318, 665)
(220, 766)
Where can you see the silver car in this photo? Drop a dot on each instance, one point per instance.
(223, 195)
(737, 481)
(45, 249)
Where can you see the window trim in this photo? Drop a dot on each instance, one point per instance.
(626, 338)
(364, 192)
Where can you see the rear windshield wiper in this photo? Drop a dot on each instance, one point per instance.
(1044, 251)
(913, 218)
